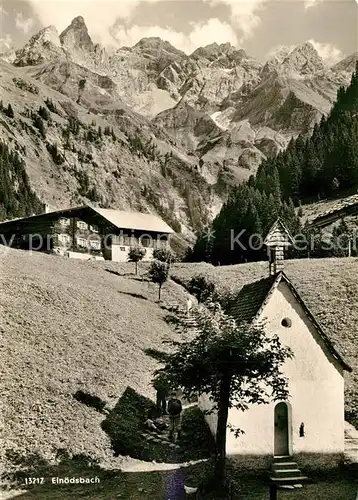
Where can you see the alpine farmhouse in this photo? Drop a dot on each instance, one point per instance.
(87, 232)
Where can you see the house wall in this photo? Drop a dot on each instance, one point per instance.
(121, 246)
(53, 234)
(35, 235)
(75, 236)
(316, 387)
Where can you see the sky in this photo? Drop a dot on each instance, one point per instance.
(258, 26)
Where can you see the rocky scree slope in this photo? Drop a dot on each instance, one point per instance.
(99, 151)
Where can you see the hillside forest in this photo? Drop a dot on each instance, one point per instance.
(324, 165)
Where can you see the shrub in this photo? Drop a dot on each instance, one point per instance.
(164, 255)
(23, 85)
(201, 288)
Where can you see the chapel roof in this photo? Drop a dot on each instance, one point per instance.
(249, 301)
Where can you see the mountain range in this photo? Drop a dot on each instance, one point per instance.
(151, 128)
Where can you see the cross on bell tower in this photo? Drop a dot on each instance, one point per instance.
(277, 239)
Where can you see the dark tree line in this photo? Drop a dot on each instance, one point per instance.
(248, 212)
(323, 165)
(17, 199)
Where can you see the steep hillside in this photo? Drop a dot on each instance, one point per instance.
(68, 326)
(97, 149)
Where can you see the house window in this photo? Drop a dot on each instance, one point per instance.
(64, 239)
(286, 322)
(81, 242)
(126, 240)
(122, 249)
(64, 222)
(145, 241)
(162, 241)
(95, 244)
(81, 225)
(94, 229)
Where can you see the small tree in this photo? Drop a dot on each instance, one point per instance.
(39, 124)
(236, 364)
(44, 113)
(164, 255)
(81, 88)
(135, 255)
(9, 111)
(158, 273)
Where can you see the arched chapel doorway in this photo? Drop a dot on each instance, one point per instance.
(281, 446)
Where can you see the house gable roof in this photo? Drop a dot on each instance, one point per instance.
(118, 218)
(134, 220)
(251, 299)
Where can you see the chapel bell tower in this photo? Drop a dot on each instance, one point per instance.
(277, 239)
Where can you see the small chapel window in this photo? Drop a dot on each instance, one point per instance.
(286, 322)
(302, 430)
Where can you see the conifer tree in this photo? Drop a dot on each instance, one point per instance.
(9, 111)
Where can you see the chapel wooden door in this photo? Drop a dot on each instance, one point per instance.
(281, 429)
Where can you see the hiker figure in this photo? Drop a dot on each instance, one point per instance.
(174, 410)
(189, 306)
(162, 389)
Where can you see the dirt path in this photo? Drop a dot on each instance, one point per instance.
(140, 466)
(5, 495)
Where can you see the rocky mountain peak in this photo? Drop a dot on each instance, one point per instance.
(224, 56)
(76, 36)
(347, 64)
(156, 44)
(48, 34)
(212, 50)
(44, 45)
(303, 59)
(276, 59)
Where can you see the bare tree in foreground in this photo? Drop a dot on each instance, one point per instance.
(237, 364)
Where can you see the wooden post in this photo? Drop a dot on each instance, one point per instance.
(273, 491)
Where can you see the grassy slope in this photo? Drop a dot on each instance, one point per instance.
(68, 325)
(328, 286)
